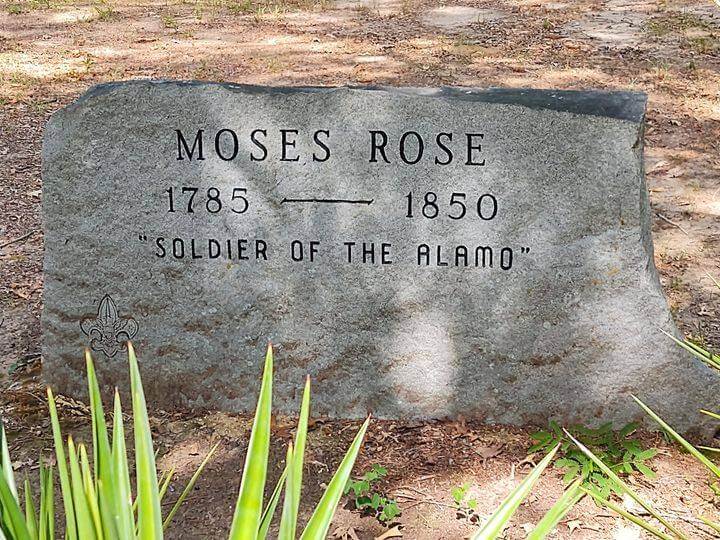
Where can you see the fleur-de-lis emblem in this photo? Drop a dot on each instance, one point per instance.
(108, 332)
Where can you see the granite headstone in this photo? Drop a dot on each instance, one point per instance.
(421, 253)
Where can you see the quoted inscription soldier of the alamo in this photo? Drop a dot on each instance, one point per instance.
(420, 253)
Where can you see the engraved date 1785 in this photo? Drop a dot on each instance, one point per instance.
(189, 199)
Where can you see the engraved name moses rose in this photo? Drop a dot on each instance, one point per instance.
(420, 253)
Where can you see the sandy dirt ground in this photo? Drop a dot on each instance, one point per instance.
(51, 51)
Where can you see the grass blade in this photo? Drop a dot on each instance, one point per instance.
(188, 488)
(149, 518)
(627, 515)
(317, 527)
(715, 281)
(272, 505)
(71, 532)
(627, 489)
(689, 447)
(248, 510)
(288, 521)
(559, 510)
(500, 518)
(164, 481)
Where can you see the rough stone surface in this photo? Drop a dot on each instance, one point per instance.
(567, 329)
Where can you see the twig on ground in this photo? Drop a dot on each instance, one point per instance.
(428, 500)
(666, 220)
(16, 240)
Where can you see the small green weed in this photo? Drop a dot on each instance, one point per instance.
(674, 22)
(104, 10)
(622, 454)
(169, 21)
(704, 44)
(370, 501)
(241, 7)
(465, 508)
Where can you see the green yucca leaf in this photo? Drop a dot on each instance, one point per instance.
(248, 510)
(102, 454)
(689, 447)
(712, 360)
(502, 515)
(101, 444)
(559, 510)
(319, 523)
(90, 493)
(711, 414)
(13, 521)
(65, 486)
(627, 489)
(272, 505)
(291, 506)
(149, 517)
(712, 524)
(300, 440)
(47, 504)
(188, 488)
(125, 524)
(85, 527)
(30, 515)
(6, 468)
(288, 520)
(6, 473)
(627, 515)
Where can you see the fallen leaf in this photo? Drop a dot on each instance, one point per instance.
(391, 533)
(660, 165)
(344, 533)
(487, 452)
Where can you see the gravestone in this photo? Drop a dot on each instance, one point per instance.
(419, 253)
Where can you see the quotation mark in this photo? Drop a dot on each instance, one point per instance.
(524, 250)
(142, 237)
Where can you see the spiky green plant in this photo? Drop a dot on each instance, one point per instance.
(98, 501)
(497, 522)
(570, 497)
(250, 522)
(625, 488)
